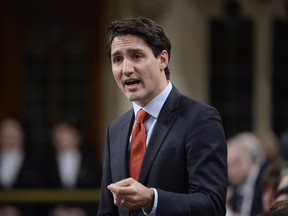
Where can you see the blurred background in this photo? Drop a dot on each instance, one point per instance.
(232, 54)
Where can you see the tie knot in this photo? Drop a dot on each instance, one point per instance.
(141, 115)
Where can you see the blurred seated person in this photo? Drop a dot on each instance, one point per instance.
(69, 166)
(17, 166)
(17, 169)
(246, 161)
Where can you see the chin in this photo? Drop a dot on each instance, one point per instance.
(133, 96)
(130, 97)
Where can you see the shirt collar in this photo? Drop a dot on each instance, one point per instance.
(154, 107)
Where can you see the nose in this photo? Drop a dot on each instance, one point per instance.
(127, 67)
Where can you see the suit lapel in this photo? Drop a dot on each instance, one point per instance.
(164, 122)
(123, 137)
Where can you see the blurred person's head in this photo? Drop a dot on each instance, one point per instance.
(67, 211)
(65, 136)
(9, 210)
(11, 134)
(244, 153)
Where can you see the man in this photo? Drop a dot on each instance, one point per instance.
(16, 163)
(246, 163)
(69, 166)
(18, 167)
(183, 171)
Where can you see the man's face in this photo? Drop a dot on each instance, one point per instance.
(239, 165)
(65, 137)
(138, 73)
(11, 135)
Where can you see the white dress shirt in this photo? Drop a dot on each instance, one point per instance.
(10, 164)
(69, 165)
(153, 108)
(247, 191)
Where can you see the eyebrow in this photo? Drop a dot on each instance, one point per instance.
(130, 50)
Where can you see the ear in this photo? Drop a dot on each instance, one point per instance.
(164, 59)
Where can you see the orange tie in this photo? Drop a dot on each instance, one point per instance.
(138, 145)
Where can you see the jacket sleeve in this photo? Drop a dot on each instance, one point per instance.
(206, 164)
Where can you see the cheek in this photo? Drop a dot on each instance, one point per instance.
(236, 171)
(116, 74)
(232, 172)
(246, 168)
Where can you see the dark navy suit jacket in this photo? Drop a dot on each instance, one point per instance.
(186, 160)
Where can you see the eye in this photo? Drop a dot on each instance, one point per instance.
(137, 56)
(116, 59)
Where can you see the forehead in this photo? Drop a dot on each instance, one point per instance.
(126, 42)
(10, 124)
(235, 152)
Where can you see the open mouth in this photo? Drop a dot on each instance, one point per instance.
(132, 82)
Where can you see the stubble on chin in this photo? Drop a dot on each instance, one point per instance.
(135, 96)
(131, 97)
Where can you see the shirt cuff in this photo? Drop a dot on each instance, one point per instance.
(152, 212)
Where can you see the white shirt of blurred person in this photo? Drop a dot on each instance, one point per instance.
(11, 151)
(66, 141)
(245, 159)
